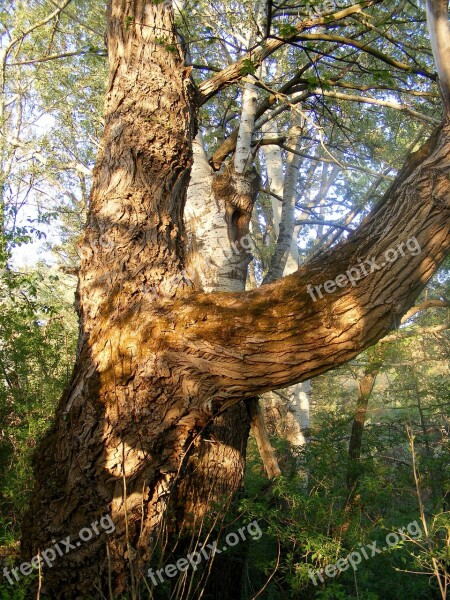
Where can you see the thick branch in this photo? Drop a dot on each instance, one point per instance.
(244, 344)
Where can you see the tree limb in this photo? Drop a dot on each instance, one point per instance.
(404, 334)
(233, 73)
(424, 306)
(240, 345)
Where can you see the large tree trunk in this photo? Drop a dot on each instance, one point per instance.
(118, 437)
(155, 360)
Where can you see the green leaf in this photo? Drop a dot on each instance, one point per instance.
(287, 30)
(248, 67)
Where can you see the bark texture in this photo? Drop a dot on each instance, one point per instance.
(217, 218)
(105, 452)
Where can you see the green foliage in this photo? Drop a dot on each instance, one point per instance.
(37, 336)
(165, 42)
(307, 520)
(248, 67)
(44, 187)
(287, 30)
(18, 592)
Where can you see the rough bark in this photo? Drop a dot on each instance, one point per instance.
(259, 340)
(152, 368)
(238, 192)
(218, 219)
(106, 452)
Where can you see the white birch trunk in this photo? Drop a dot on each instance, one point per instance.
(439, 29)
(276, 184)
(212, 260)
(289, 415)
(285, 256)
(243, 158)
(243, 155)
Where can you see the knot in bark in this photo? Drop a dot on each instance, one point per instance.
(238, 192)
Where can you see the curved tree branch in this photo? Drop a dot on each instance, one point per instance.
(240, 345)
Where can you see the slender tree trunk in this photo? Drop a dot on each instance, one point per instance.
(365, 387)
(287, 413)
(286, 246)
(439, 30)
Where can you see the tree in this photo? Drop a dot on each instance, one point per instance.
(150, 373)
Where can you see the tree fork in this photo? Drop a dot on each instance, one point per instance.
(150, 372)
